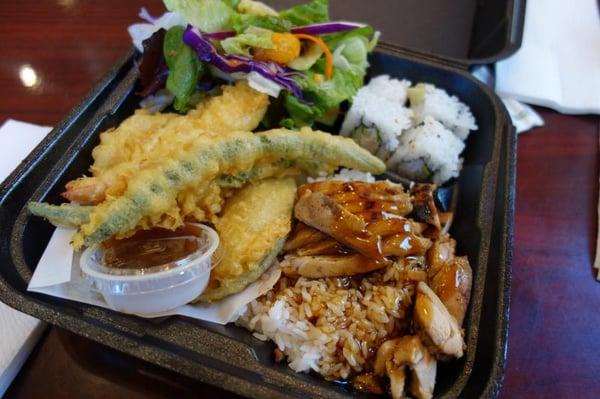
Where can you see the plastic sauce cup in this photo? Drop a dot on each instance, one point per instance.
(155, 290)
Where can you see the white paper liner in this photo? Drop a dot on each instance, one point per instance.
(58, 274)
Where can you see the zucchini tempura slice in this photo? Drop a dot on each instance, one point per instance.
(252, 230)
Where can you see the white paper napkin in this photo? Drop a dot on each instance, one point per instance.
(558, 64)
(18, 332)
(17, 139)
(58, 274)
(523, 117)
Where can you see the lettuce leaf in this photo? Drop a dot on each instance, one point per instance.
(313, 12)
(325, 95)
(351, 55)
(184, 68)
(310, 13)
(355, 50)
(333, 40)
(311, 53)
(241, 22)
(255, 8)
(350, 68)
(232, 3)
(330, 93)
(300, 114)
(241, 44)
(207, 15)
(350, 52)
(173, 45)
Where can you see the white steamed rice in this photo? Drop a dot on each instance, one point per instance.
(333, 326)
(346, 175)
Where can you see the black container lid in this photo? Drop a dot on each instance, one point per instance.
(463, 32)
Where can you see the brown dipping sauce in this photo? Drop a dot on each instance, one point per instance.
(150, 248)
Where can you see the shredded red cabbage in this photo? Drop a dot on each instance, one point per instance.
(218, 35)
(326, 27)
(314, 29)
(232, 63)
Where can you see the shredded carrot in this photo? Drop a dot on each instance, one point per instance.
(319, 42)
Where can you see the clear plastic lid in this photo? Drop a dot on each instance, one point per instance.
(130, 281)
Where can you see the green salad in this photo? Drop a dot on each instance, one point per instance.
(308, 64)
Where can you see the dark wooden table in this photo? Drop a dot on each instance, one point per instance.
(51, 53)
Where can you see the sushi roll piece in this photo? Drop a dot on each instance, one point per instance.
(428, 152)
(418, 130)
(391, 89)
(428, 100)
(378, 115)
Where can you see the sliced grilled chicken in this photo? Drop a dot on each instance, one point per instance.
(446, 219)
(452, 284)
(367, 218)
(440, 253)
(301, 236)
(323, 213)
(376, 196)
(436, 326)
(396, 355)
(397, 376)
(385, 353)
(424, 209)
(384, 366)
(328, 246)
(404, 244)
(423, 375)
(328, 265)
(392, 225)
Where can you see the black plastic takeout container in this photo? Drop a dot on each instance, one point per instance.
(228, 356)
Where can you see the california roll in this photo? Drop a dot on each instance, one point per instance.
(418, 130)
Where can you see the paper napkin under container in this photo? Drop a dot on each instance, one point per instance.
(558, 63)
(19, 332)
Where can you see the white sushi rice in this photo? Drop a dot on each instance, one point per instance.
(447, 109)
(378, 115)
(391, 89)
(435, 124)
